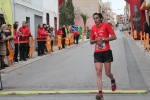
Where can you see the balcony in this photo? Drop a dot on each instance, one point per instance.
(145, 6)
(147, 3)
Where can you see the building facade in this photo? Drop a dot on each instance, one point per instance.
(30, 11)
(88, 7)
(145, 6)
(107, 12)
(35, 13)
(127, 15)
(51, 13)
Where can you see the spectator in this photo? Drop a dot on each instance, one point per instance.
(28, 47)
(3, 45)
(16, 34)
(63, 36)
(146, 28)
(76, 35)
(52, 37)
(9, 28)
(16, 22)
(87, 33)
(39, 37)
(129, 30)
(59, 31)
(25, 32)
(44, 37)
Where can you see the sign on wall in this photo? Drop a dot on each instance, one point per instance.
(6, 7)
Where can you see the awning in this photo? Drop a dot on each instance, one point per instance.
(144, 7)
(61, 1)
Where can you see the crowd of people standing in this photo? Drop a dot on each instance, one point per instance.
(23, 33)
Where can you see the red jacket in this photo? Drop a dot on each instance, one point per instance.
(59, 32)
(40, 32)
(45, 34)
(25, 32)
(76, 33)
(16, 35)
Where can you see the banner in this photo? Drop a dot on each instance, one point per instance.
(6, 7)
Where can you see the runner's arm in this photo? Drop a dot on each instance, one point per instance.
(93, 41)
(111, 38)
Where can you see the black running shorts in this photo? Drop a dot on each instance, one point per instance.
(103, 57)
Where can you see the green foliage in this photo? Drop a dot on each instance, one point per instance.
(67, 13)
(84, 17)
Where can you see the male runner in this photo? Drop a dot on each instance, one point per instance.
(101, 34)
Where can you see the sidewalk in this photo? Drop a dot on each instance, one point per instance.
(141, 46)
(36, 58)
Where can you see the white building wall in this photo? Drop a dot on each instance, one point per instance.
(51, 7)
(25, 9)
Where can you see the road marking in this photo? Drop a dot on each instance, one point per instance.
(72, 92)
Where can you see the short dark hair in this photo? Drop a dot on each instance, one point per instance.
(99, 14)
(8, 24)
(16, 22)
(15, 26)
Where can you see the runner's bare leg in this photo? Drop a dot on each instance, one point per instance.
(108, 70)
(99, 67)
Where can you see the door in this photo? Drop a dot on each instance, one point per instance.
(38, 20)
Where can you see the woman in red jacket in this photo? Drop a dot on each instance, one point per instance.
(44, 36)
(16, 34)
(40, 33)
(76, 35)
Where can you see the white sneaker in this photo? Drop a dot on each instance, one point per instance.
(16, 62)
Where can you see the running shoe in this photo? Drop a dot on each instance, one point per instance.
(113, 85)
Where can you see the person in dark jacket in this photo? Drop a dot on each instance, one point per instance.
(146, 28)
(63, 36)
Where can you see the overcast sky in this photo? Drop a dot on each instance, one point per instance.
(117, 4)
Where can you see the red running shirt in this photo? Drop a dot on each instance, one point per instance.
(101, 31)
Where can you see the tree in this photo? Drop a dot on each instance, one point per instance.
(63, 15)
(67, 13)
(70, 12)
(84, 17)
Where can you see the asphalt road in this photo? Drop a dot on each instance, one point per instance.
(76, 97)
(73, 69)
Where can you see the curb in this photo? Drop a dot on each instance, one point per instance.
(32, 60)
(73, 92)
